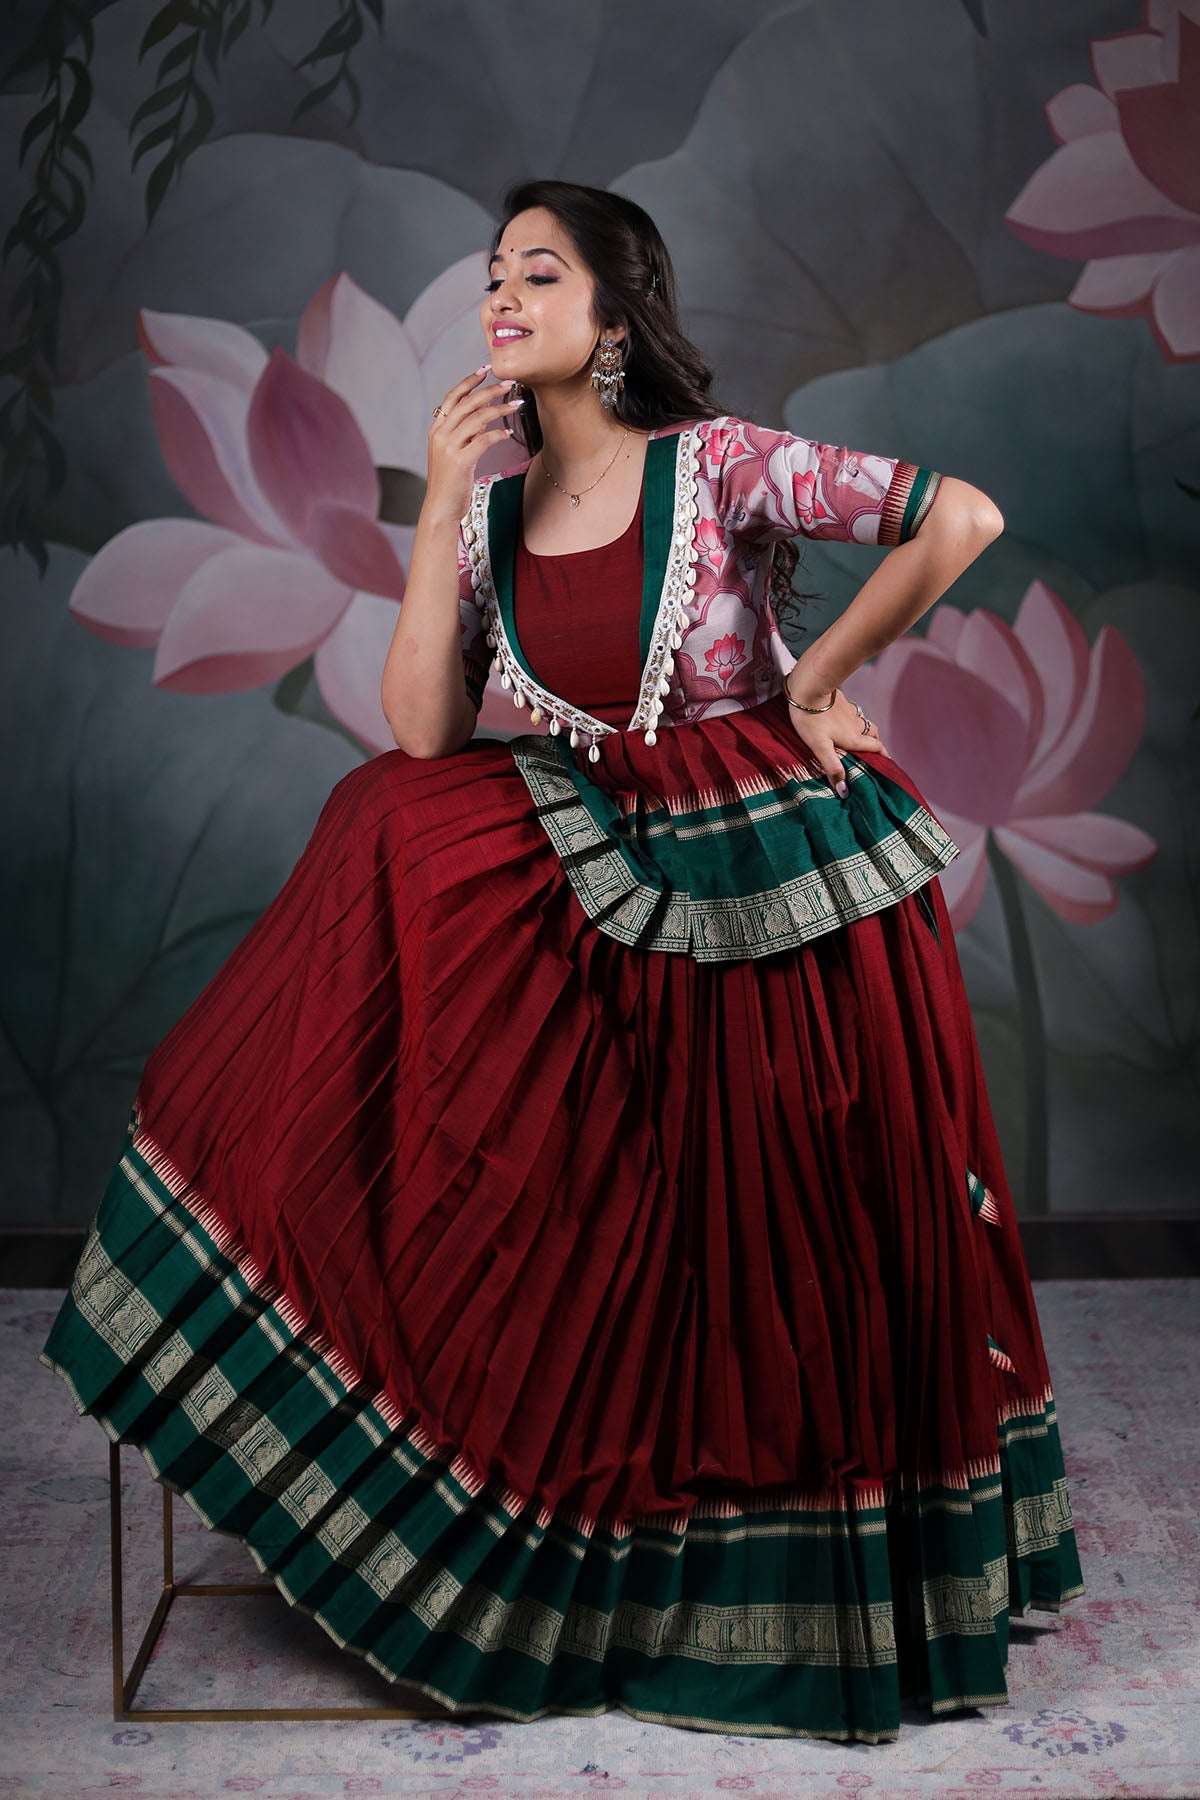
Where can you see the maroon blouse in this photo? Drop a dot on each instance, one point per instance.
(577, 615)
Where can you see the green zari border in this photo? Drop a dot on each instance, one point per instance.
(775, 1613)
(926, 483)
(624, 895)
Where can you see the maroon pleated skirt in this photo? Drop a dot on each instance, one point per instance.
(623, 1230)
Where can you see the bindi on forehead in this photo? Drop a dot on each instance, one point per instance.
(536, 250)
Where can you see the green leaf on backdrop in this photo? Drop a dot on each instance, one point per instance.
(144, 833)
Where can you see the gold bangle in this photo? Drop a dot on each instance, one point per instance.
(799, 704)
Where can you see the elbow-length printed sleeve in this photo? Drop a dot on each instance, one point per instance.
(472, 625)
(786, 485)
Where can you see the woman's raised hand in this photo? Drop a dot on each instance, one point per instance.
(470, 419)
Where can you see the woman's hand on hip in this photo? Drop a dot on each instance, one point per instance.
(827, 734)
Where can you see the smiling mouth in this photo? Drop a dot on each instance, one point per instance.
(509, 336)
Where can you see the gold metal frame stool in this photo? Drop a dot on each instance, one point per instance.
(125, 1686)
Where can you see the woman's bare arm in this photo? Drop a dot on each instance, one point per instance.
(961, 522)
(423, 690)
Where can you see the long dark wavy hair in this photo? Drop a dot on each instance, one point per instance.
(667, 381)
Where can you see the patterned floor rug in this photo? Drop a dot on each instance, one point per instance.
(1105, 1698)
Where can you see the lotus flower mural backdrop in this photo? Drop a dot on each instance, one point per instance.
(1013, 733)
(214, 434)
(281, 456)
(1124, 189)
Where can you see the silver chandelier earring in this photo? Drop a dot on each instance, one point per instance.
(608, 376)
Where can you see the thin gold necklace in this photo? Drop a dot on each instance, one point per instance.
(574, 498)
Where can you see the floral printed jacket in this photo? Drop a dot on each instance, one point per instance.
(719, 493)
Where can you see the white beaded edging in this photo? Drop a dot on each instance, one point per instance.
(671, 618)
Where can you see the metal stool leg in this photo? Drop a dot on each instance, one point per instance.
(125, 1687)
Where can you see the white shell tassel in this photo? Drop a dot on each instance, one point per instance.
(574, 738)
(594, 752)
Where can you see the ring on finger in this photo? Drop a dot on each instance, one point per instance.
(867, 726)
(437, 412)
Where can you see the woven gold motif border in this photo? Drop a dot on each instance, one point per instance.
(720, 928)
(746, 1632)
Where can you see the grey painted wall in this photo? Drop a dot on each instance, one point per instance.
(950, 232)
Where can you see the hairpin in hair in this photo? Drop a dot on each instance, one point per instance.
(653, 283)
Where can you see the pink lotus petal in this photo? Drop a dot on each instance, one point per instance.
(1101, 736)
(446, 310)
(1160, 122)
(312, 335)
(1095, 840)
(945, 627)
(1175, 318)
(1078, 111)
(965, 879)
(443, 326)
(305, 446)
(201, 425)
(963, 742)
(1077, 894)
(1057, 647)
(355, 550)
(360, 350)
(245, 618)
(127, 590)
(1089, 199)
(992, 650)
(498, 717)
(1117, 287)
(349, 669)
(874, 685)
(211, 346)
(1130, 59)
(871, 690)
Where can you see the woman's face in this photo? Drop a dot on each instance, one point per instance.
(539, 283)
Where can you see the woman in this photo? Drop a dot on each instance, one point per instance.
(567, 1242)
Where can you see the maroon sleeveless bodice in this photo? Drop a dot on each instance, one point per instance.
(577, 616)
